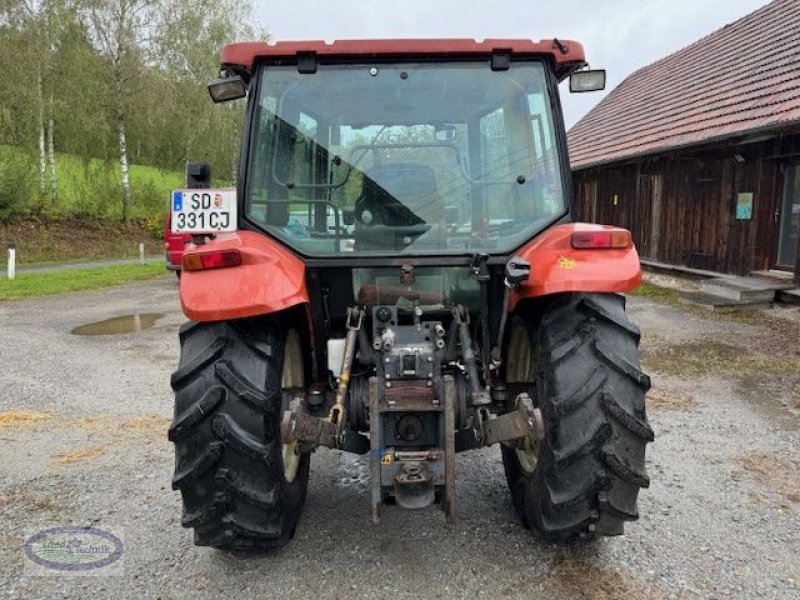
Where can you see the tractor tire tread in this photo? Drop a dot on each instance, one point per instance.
(236, 438)
(569, 404)
(198, 466)
(188, 420)
(591, 390)
(189, 370)
(623, 365)
(638, 427)
(234, 381)
(623, 471)
(573, 343)
(229, 468)
(582, 446)
(599, 308)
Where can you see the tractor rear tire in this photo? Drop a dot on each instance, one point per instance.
(240, 489)
(580, 353)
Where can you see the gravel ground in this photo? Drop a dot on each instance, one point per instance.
(720, 519)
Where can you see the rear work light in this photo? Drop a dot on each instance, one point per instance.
(212, 260)
(613, 239)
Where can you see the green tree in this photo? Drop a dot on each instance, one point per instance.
(120, 30)
(189, 46)
(34, 18)
(121, 80)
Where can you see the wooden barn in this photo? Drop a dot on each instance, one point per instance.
(698, 154)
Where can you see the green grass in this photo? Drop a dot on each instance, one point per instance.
(657, 293)
(30, 285)
(92, 187)
(701, 357)
(71, 169)
(79, 239)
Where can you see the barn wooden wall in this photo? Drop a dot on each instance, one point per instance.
(680, 207)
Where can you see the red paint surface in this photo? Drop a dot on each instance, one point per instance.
(557, 267)
(245, 54)
(270, 279)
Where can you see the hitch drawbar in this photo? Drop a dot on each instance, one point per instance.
(524, 422)
(411, 409)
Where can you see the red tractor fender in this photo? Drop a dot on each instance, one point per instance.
(269, 279)
(557, 267)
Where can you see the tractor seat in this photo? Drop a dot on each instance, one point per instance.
(397, 195)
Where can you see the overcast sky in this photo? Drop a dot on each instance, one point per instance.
(618, 35)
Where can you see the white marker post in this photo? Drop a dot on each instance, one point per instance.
(141, 253)
(12, 261)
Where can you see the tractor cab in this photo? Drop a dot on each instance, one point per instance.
(433, 158)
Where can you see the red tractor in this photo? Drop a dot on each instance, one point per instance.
(397, 275)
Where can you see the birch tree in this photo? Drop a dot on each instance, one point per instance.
(51, 157)
(121, 30)
(32, 18)
(34, 13)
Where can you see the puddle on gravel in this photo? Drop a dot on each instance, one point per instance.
(119, 325)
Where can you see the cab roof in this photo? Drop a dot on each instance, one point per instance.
(566, 55)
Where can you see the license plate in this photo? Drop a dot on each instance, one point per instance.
(203, 211)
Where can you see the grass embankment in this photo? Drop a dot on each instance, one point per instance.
(76, 239)
(89, 187)
(80, 180)
(29, 285)
(85, 221)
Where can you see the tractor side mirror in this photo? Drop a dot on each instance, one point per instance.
(227, 89)
(587, 81)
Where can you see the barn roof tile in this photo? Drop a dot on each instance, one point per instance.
(742, 78)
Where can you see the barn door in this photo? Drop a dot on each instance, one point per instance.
(647, 220)
(591, 200)
(789, 220)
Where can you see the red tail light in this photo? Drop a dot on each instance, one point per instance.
(615, 238)
(212, 260)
